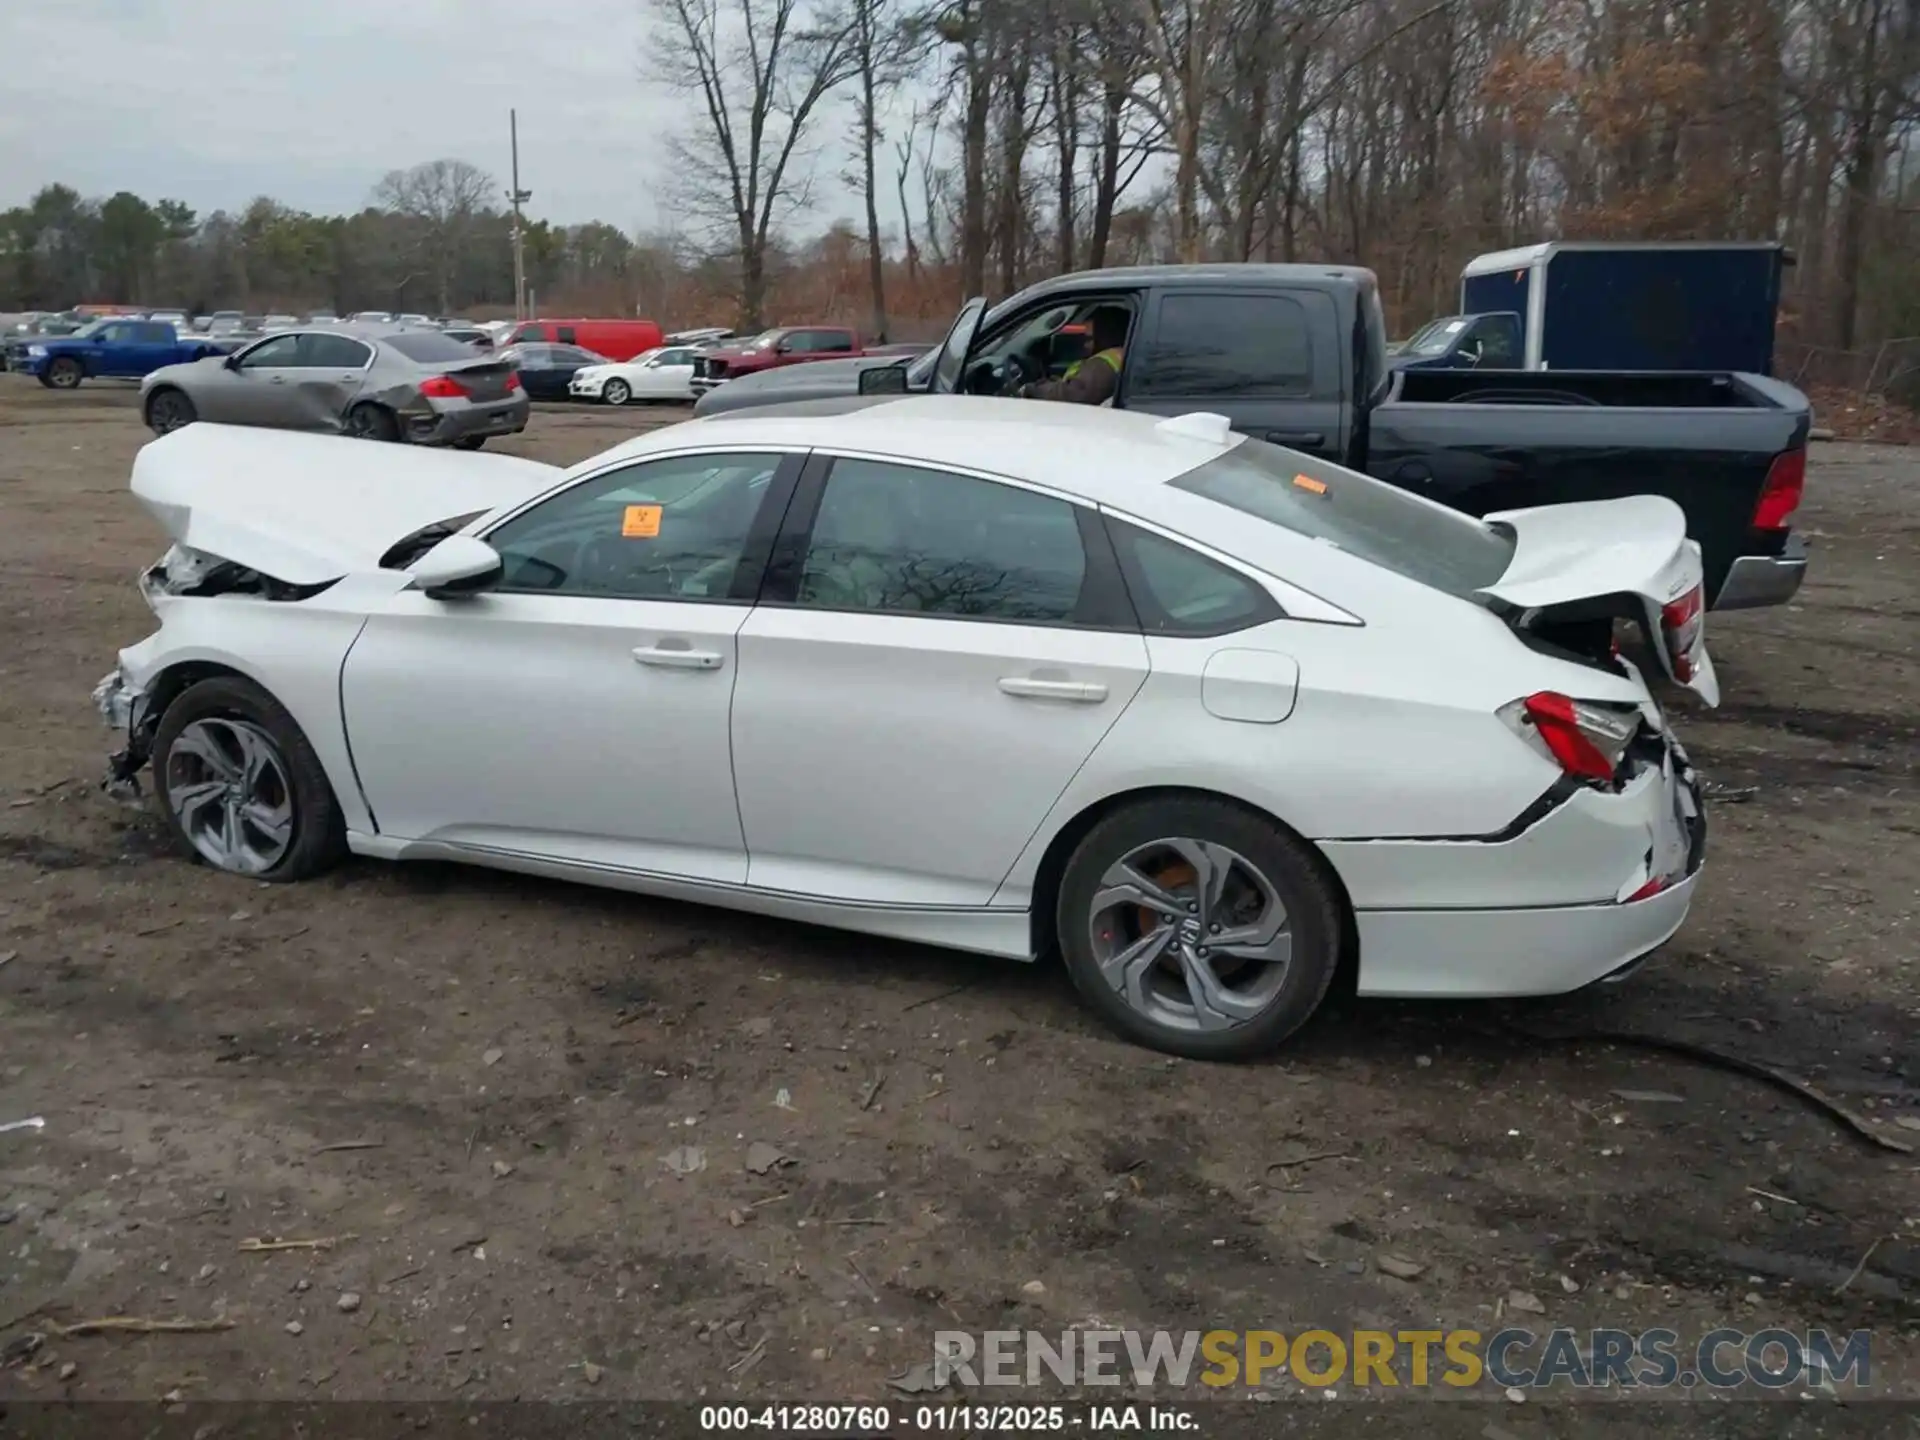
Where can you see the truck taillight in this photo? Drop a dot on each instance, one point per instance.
(443, 387)
(1780, 496)
(1585, 738)
(1680, 622)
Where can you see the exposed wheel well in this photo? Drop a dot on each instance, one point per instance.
(1053, 866)
(167, 687)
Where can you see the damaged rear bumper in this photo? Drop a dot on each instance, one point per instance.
(1585, 890)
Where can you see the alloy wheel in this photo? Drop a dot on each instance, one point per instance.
(228, 789)
(169, 412)
(1190, 934)
(616, 392)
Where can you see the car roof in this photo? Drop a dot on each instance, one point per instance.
(1113, 451)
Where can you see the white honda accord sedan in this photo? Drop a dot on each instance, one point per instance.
(1206, 717)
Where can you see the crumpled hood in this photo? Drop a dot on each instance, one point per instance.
(307, 509)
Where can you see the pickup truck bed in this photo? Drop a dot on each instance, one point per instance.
(1482, 441)
(1296, 355)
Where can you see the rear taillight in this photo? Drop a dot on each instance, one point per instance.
(444, 387)
(1780, 496)
(1680, 622)
(1586, 739)
(513, 381)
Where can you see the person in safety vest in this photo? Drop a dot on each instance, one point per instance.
(1096, 379)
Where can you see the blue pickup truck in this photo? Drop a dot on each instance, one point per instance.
(120, 349)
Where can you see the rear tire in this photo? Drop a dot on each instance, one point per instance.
(616, 392)
(1149, 909)
(240, 786)
(372, 422)
(65, 373)
(168, 410)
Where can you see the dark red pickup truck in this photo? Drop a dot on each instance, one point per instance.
(788, 345)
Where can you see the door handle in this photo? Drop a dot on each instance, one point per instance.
(678, 659)
(277, 380)
(1080, 692)
(1308, 438)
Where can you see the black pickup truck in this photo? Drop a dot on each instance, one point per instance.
(1297, 354)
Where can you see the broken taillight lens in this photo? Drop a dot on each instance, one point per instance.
(1680, 623)
(1585, 738)
(1780, 496)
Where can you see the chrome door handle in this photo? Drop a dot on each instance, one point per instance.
(1080, 692)
(678, 659)
(277, 380)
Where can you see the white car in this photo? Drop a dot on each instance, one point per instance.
(663, 373)
(1207, 716)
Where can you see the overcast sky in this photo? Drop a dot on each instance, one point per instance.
(311, 101)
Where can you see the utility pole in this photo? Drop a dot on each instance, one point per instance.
(519, 197)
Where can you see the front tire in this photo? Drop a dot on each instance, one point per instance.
(616, 392)
(1197, 928)
(168, 410)
(66, 373)
(372, 422)
(240, 786)
(469, 442)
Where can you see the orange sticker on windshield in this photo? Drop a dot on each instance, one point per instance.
(640, 522)
(1311, 485)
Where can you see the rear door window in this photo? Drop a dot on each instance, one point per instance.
(1220, 344)
(333, 352)
(567, 336)
(1356, 513)
(904, 539)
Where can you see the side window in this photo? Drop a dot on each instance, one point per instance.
(567, 335)
(832, 341)
(1499, 337)
(925, 542)
(1178, 591)
(152, 334)
(671, 529)
(674, 357)
(277, 353)
(116, 334)
(530, 332)
(1227, 345)
(333, 352)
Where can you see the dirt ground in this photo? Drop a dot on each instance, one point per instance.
(470, 1081)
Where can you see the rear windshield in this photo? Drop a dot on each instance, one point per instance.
(1362, 516)
(429, 347)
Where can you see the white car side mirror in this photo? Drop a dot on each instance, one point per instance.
(458, 565)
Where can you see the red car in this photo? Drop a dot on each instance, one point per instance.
(615, 339)
(788, 345)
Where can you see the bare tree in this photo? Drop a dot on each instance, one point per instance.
(760, 70)
(442, 200)
(884, 44)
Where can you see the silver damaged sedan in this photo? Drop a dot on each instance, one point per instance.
(379, 384)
